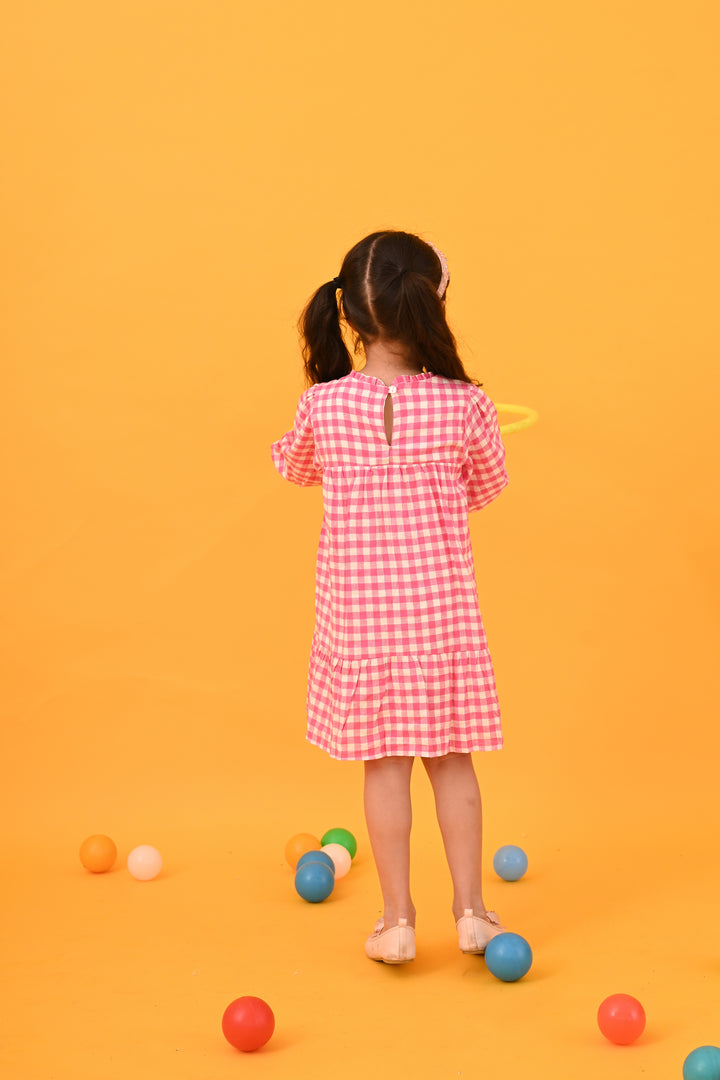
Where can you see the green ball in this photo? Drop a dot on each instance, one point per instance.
(340, 836)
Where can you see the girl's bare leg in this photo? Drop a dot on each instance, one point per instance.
(388, 813)
(459, 813)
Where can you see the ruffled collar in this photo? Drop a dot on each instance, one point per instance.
(400, 379)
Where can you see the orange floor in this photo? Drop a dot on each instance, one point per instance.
(108, 977)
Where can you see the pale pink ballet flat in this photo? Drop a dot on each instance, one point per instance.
(475, 931)
(393, 946)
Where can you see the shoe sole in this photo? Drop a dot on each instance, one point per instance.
(382, 960)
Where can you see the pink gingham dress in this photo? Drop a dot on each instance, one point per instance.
(399, 663)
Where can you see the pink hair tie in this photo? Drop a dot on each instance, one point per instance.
(445, 272)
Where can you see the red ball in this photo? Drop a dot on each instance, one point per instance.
(621, 1018)
(248, 1023)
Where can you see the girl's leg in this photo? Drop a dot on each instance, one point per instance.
(388, 813)
(459, 814)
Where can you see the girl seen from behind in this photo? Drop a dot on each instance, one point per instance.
(399, 664)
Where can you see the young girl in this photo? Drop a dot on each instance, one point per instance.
(399, 664)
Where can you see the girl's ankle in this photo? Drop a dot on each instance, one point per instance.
(392, 918)
(477, 910)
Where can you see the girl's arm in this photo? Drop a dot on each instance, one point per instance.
(294, 455)
(484, 470)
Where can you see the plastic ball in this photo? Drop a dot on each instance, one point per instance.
(248, 1023)
(144, 862)
(341, 836)
(621, 1018)
(98, 853)
(316, 856)
(341, 858)
(702, 1064)
(510, 862)
(298, 845)
(314, 881)
(508, 957)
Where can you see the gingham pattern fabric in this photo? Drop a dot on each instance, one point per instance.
(399, 663)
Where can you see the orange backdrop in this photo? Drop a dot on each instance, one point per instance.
(178, 179)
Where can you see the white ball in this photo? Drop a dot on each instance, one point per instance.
(144, 862)
(340, 856)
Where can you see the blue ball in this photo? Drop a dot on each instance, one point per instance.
(508, 957)
(702, 1064)
(314, 881)
(510, 862)
(315, 856)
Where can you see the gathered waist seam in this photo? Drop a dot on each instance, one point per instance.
(391, 465)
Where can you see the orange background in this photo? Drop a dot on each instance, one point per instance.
(178, 179)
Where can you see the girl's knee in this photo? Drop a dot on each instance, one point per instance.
(452, 760)
(395, 764)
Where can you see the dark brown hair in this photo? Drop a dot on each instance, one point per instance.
(388, 284)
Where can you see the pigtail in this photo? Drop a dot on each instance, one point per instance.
(419, 322)
(324, 351)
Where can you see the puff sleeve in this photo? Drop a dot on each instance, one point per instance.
(294, 455)
(484, 467)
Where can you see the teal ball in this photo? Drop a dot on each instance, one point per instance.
(702, 1064)
(315, 856)
(314, 882)
(508, 957)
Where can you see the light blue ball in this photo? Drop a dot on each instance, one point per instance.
(508, 957)
(314, 882)
(702, 1064)
(315, 856)
(510, 862)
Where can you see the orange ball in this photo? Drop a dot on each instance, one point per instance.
(299, 845)
(98, 853)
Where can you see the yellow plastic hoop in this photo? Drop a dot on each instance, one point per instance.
(530, 417)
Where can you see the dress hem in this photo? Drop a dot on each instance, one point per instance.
(426, 705)
(404, 753)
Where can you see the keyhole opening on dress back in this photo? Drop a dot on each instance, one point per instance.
(389, 419)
